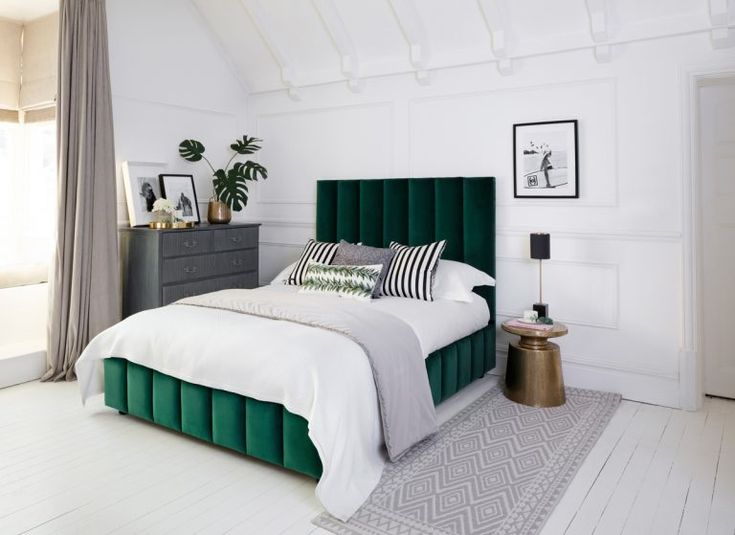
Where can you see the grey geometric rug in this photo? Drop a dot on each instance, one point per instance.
(496, 468)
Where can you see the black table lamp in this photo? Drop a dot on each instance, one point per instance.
(541, 250)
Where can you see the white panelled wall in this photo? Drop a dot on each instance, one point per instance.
(347, 89)
(170, 81)
(615, 276)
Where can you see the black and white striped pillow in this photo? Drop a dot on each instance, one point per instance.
(411, 271)
(322, 252)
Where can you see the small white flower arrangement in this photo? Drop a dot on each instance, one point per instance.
(164, 205)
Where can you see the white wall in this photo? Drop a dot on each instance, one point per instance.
(616, 271)
(170, 81)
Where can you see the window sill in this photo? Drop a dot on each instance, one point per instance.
(22, 362)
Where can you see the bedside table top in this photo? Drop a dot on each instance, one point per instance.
(559, 329)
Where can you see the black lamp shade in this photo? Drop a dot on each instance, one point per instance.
(540, 246)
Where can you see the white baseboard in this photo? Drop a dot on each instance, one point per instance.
(646, 388)
(20, 363)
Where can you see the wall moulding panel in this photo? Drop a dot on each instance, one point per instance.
(177, 106)
(484, 123)
(319, 146)
(583, 293)
(596, 234)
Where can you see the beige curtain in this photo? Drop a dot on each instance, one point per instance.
(84, 278)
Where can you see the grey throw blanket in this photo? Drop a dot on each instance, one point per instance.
(404, 394)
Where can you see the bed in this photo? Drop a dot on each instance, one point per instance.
(374, 212)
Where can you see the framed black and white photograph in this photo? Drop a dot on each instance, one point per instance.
(179, 189)
(545, 160)
(141, 190)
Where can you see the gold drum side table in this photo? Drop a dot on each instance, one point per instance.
(533, 375)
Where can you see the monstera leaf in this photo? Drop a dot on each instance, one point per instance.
(231, 185)
(191, 150)
(246, 145)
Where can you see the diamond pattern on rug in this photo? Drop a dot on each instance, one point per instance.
(498, 467)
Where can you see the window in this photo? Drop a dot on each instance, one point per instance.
(27, 201)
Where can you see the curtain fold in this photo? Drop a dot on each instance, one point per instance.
(84, 289)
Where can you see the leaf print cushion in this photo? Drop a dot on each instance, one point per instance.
(355, 282)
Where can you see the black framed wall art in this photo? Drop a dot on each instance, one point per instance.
(179, 189)
(545, 160)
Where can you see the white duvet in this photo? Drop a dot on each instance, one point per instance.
(318, 374)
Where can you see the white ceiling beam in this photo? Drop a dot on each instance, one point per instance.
(598, 20)
(264, 25)
(413, 29)
(603, 53)
(497, 21)
(596, 10)
(335, 26)
(719, 14)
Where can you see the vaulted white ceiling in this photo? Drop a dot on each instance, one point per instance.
(287, 44)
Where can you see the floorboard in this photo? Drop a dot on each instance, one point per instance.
(65, 469)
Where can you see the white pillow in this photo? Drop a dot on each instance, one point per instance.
(280, 279)
(455, 280)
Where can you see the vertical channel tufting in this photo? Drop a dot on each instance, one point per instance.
(196, 410)
(228, 420)
(395, 211)
(116, 383)
(420, 211)
(299, 452)
(348, 210)
(479, 231)
(478, 354)
(371, 212)
(490, 347)
(326, 214)
(449, 224)
(449, 371)
(140, 391)
(434, 370)
(464, 362)
(166, 401)
(264, 430)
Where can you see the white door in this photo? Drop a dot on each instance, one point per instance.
(717, 208)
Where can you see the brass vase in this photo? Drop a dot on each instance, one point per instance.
(218, 213)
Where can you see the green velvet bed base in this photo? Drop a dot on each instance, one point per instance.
(260, 429)
(375, 212)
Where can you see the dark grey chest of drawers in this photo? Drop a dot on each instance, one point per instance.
(162, 266)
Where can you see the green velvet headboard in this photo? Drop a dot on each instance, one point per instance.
(414, 211)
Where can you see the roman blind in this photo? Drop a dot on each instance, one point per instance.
(39, 58)
(10, 61)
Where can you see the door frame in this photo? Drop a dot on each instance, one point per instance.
(691, 358)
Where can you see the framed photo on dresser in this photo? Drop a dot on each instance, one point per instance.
(545, 160)
(141, 190)
(180, 190)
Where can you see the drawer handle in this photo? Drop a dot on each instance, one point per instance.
(190, 269)
(237, 261)
(190, 243)
(235, 239)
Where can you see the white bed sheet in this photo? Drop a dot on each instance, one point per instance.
(436, 323)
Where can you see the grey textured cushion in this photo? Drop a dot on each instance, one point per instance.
(364, 255)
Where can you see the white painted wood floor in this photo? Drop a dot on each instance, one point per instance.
(67, 469)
